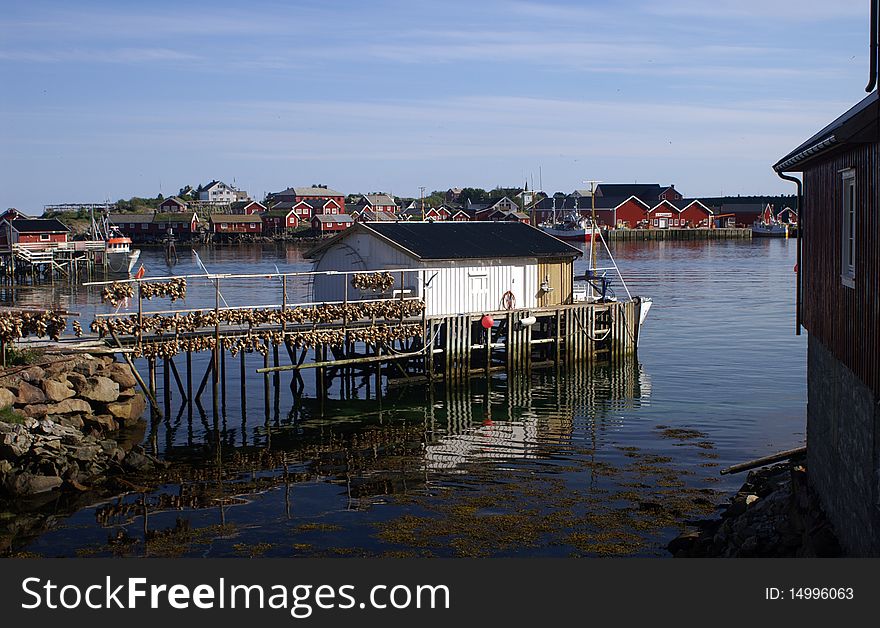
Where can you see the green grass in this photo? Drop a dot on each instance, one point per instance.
(8, 416)
(19, 357)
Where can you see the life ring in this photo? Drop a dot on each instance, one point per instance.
(508, 300)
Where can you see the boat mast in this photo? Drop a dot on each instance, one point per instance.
(592, 221)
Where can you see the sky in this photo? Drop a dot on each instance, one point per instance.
(108, 100)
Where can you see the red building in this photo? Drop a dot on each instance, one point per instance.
(328, 223)
(280, 220)
(631, 212)
(247, 207)
(173, 204)
(153, 227)
(236, 225)
(695, 214)
(664, 215)
(33, 231)
(295, 195)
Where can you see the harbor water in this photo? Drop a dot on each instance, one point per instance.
(592, 461)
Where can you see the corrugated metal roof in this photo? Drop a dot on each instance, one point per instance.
(310, 191)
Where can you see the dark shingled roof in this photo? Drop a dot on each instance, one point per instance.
(39, 225)
(471, 240)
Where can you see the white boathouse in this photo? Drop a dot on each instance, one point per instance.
(457, 267)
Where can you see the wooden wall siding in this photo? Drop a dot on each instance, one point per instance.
(845, 320)
(559, 274)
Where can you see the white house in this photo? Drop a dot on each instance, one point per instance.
(219, 193)
(457, 267)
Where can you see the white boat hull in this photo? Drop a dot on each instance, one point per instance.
(773, 230)
(122, 263)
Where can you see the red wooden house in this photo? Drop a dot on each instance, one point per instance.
(663, 216)
(631, 212)
(295, 195)
(173, 204)
(329, 223)
(695, 214)
(280, 220)
(247, 207)
(232, 226)
(33, 231)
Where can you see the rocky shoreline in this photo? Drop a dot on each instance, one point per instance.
(67, 423)
(774, 514)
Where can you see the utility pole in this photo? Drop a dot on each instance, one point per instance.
(422, 200)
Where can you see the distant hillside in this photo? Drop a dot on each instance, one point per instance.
(780, 201)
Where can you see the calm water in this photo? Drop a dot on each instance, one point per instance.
(590, 462)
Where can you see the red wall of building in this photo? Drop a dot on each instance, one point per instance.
(631, 212)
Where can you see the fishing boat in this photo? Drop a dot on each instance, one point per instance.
(572, 228)
(119, 257)
(769, 225)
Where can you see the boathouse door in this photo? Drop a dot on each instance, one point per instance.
(554, 282)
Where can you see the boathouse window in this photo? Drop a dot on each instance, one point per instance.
(848, 230)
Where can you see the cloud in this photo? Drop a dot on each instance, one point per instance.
(119, 55)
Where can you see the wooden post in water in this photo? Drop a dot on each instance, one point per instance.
(189, 384)
(215, 375)
(166, 384)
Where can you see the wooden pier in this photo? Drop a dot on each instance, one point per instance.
(388, 338)
(725, 233)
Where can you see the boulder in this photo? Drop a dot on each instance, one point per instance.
(70, 406)
(88, 366)
(57, 391)
(70, 420)
(28, 393)
(33, 374)
(30, 484)
(36, 410)
(86, 453)
(103, 422)
(101, 389)
(135, 461)
(7, 397)
(127, 392)
(130, 409)
(77, 380)
(15, 443)
(122, 375)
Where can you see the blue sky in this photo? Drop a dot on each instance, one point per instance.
(106, 100)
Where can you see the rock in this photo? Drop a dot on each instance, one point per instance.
(30, 484)
(129, 409)
(70, 420)
(70, 406)
(31, 423)
(28, 394)
(87, 367)
(73, 486)
(122, 375)
(57, 391)
(15, 444)
(86, 453)
(683, 543)
(103, 422)
(77, 380)
(135, 461)
(36, 410)
(33, 374)
(7, 397)
(127, 392)
(5, 467)
(751, 499)
(101, 389)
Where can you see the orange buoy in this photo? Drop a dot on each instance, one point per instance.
(487, 321)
